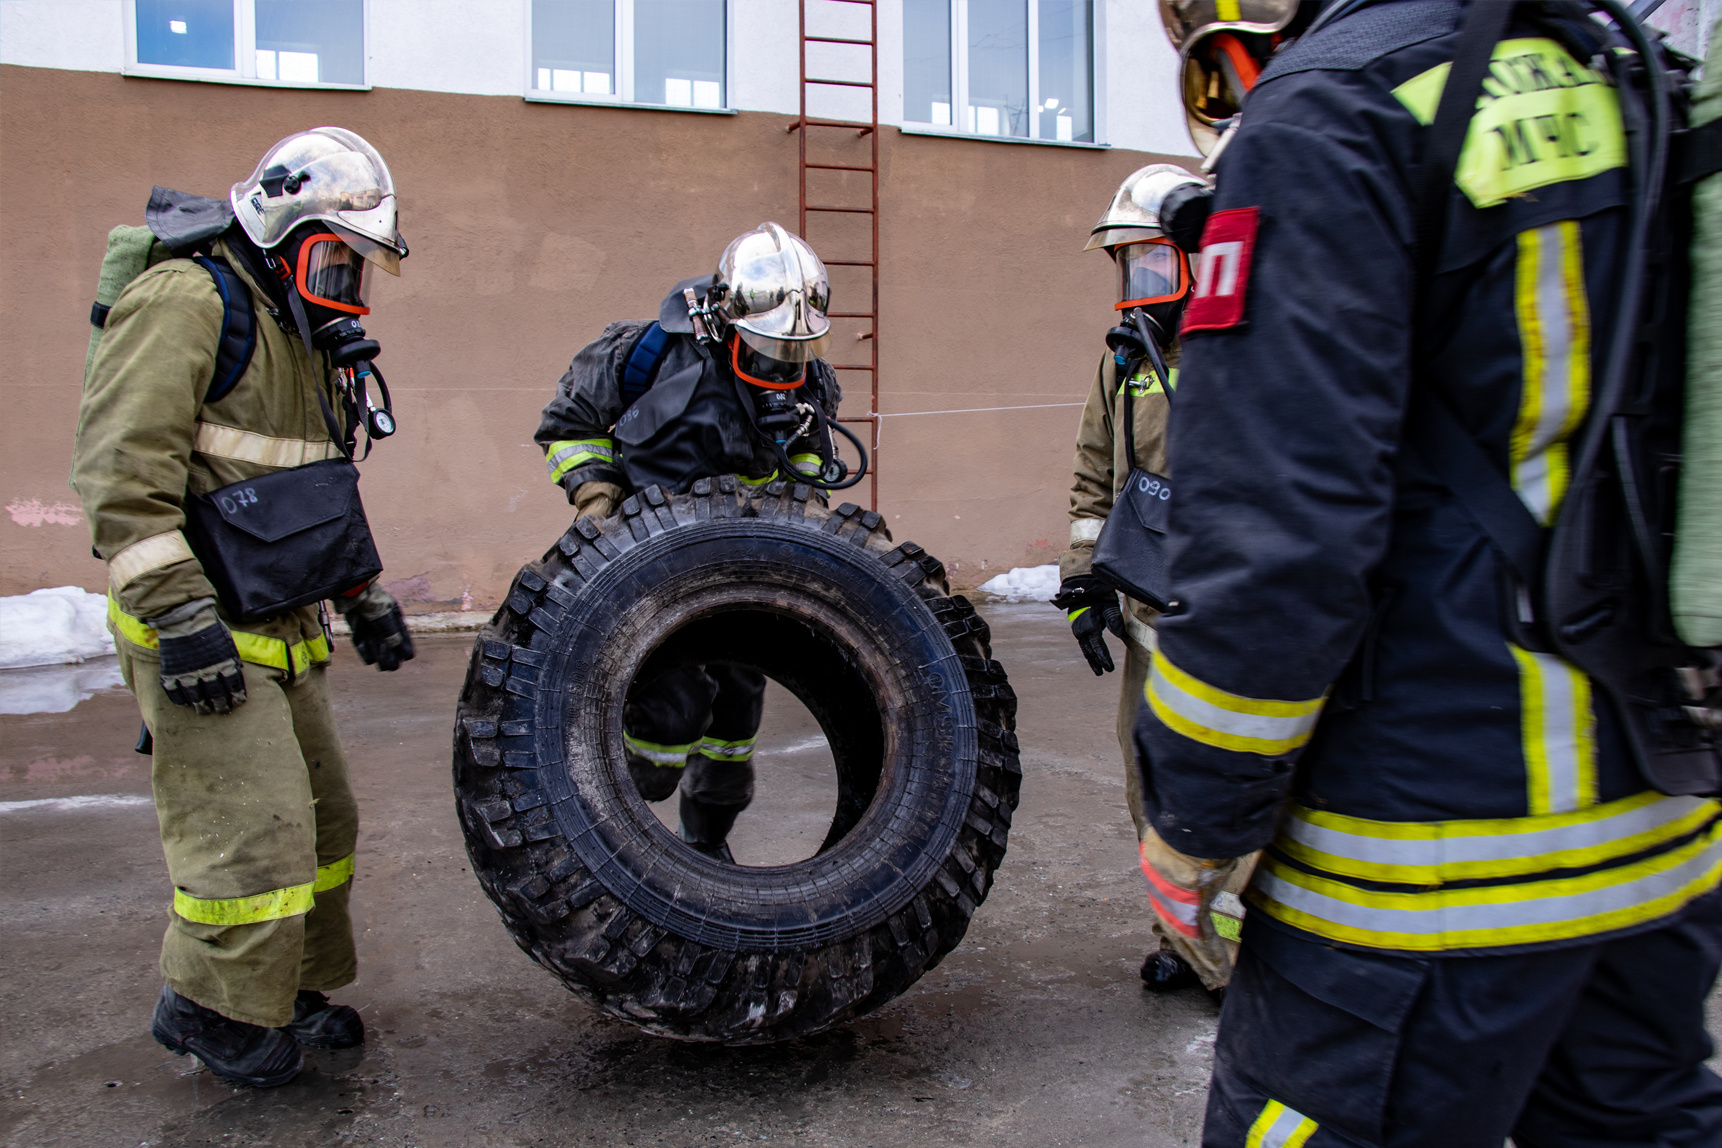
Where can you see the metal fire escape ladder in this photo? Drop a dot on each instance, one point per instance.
(805, 125)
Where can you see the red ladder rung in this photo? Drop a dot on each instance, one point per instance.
(837, 167)
(835, 40)
(848, 210)
(838, 83)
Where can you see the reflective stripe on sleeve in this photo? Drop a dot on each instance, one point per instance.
(1436, 852)
(1085, 529)
(806, 463)
(217, 441)
(152, 553)
(294, 658)
(564, 456)
(333, 875)
(1224, 720)
(1481, 917)
(674, 756)
(1178, 907)
(1280, 1127)
(727, 751)
(270, 906)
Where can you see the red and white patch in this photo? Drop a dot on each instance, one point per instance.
(1228, 242)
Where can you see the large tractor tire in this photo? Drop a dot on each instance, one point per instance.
(900, 677)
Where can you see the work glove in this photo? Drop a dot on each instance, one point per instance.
(379, 631)
(199, 664)
(594, 499)
(1182, 889)
(1092, 607)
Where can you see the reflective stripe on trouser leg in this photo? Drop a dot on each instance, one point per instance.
(732, 752)
(668, 756)
(234, 798)
(1280, 1127)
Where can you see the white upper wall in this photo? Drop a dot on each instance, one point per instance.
(480, 47)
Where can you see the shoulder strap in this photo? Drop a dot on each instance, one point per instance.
(642, 365)
(1434, 431)
(1696, 153)
(238, 328)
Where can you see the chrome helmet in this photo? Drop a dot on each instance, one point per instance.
(327, 174)
(1134, 213)
(774, 292)
(1222, 46)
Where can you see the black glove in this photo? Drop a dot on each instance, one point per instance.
(199, 664)
(1092, 607)
(380, 633)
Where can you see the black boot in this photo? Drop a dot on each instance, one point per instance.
(704, 826)
(237, 1052)
(1165, 971)
(319, 1024)
(655, 782)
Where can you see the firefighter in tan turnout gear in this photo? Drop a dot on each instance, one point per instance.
(1154, 282)
(258, 821)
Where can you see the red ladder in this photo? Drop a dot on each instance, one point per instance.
(869, 129)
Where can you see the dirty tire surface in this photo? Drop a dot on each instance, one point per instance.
(899, 675)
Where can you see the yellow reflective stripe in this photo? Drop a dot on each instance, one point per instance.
(669, 755)
(806, 463)
(217, 441)
(1077, 613)
(1224, 720)
(757, 482)
(562, 457)
(333, 874)
(257, 649)
(1436, 852)
(1553, 315)
(1280, 1127)
(270, 906)
(1542, 118)
(1558, 730)
(149, 554)
(1490, 916)
(730, 751)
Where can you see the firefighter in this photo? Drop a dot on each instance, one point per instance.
(1153, 277)
(258, 821)
(1475, 918)
(725, 381)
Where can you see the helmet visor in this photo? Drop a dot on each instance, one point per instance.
(762, 370)
(1152, 271)
(332, 273)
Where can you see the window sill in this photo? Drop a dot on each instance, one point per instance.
(199, 76)
(912, 129)
(537, 97)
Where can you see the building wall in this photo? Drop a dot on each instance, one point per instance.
(532, 225)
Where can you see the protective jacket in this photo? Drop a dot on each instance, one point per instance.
(146, 436)
(689, 425)
(1429, 783)
(1100, 466)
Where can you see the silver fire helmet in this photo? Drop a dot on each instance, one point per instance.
(1134, 213)
(327, 174)
(775, 294)
(1222, 46)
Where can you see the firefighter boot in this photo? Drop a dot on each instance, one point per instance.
(318, 1024)
(704, 826)
(237, 1052)
(1165, 971)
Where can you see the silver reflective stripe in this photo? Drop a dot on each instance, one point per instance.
(1085, 529)
(1558, 733)
(1553, 315)
(1280, 1127)
(247, 446)
(1140, 632)
(728, 751)
(150, 554)
(1215, 717)
(1443, 844)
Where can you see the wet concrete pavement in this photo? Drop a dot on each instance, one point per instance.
(1034, 1033)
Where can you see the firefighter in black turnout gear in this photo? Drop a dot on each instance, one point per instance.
(1480, 913)
(727, 380)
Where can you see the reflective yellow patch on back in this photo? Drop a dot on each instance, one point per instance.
(1543, 118)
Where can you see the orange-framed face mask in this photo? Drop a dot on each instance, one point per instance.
(332, 274)
(1150, 271)
(761, 370)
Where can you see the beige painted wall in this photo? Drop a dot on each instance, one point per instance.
(531, 227)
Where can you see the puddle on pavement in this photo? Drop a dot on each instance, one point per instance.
(57, 689)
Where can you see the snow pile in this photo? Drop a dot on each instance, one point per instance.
(49, 627)
(57, 689)
(1024, 584)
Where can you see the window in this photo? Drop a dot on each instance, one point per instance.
(665, 52)
(1019, 69)
(296, 42)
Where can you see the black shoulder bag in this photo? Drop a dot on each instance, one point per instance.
(1130, 554)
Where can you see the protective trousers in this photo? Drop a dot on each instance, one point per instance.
(1211, 958)
(1583, 1047)
(696, 726)
(258, 824)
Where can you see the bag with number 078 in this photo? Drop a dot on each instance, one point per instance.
(1130, 554)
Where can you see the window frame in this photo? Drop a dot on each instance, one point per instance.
(960, 106)
(624, 73)
(244, 55)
